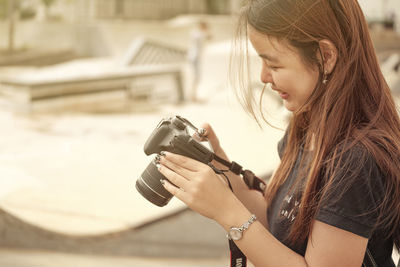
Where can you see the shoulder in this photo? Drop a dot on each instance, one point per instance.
(352, 162)
(351, 153)
(352, 191)
(352, 170)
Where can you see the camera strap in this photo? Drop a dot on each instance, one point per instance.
(238, 259)
(250, 179)
(236, 255)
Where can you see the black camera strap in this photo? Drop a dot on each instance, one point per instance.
(250, 179)
(237, 256)
(253, 182)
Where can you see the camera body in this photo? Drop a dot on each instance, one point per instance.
(171, 134)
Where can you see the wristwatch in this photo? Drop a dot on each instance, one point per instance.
(236, 233)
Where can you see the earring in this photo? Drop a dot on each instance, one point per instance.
(325, 77)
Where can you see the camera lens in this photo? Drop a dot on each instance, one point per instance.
(150, 187)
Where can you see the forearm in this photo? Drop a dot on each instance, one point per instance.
(253, 200)
(257, 243)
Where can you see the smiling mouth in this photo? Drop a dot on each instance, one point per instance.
(283, 95)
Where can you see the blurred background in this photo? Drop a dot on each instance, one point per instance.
(83, 83)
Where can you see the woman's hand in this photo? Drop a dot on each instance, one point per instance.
(196, 184)
(210, 135)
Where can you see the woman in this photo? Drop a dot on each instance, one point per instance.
(334, 199)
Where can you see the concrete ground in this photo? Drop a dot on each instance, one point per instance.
(21, 258)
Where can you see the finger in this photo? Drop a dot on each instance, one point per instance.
(186, 172)
(214, 141)
(210, 135)
(202, 132)
(176, 191)
(199, 136)
(172, 176)
(182, 161)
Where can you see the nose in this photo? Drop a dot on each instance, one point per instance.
(265, 75)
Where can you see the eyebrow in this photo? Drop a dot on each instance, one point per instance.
(269, 58)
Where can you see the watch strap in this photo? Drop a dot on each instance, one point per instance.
(244, 226)
(247, 224)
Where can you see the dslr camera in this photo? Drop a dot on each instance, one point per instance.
(171, 134)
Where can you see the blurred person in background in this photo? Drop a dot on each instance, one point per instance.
(198, 37)
(334, 200)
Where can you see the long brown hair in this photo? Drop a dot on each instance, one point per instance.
(355, 108)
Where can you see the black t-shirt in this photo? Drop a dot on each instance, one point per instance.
(353, 208)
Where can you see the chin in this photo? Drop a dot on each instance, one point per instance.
(289, 107)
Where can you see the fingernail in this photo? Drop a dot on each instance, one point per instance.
(201, 132)
(158, 166)
(162, 181)
(157, 158)
(162, 153)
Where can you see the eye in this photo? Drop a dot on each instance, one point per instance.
(273, 67)
(270, 66)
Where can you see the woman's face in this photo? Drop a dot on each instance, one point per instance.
(283, 68)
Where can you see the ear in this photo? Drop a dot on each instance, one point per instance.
(329, 54)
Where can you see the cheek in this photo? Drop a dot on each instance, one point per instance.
(296, 82)
(313, 81)
(305, 82)
(286, 80)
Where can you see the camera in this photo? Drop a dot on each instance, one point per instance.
(171, 134)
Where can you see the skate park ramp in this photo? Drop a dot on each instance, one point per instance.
(182, 234)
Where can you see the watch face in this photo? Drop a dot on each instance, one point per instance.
(235, 234)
